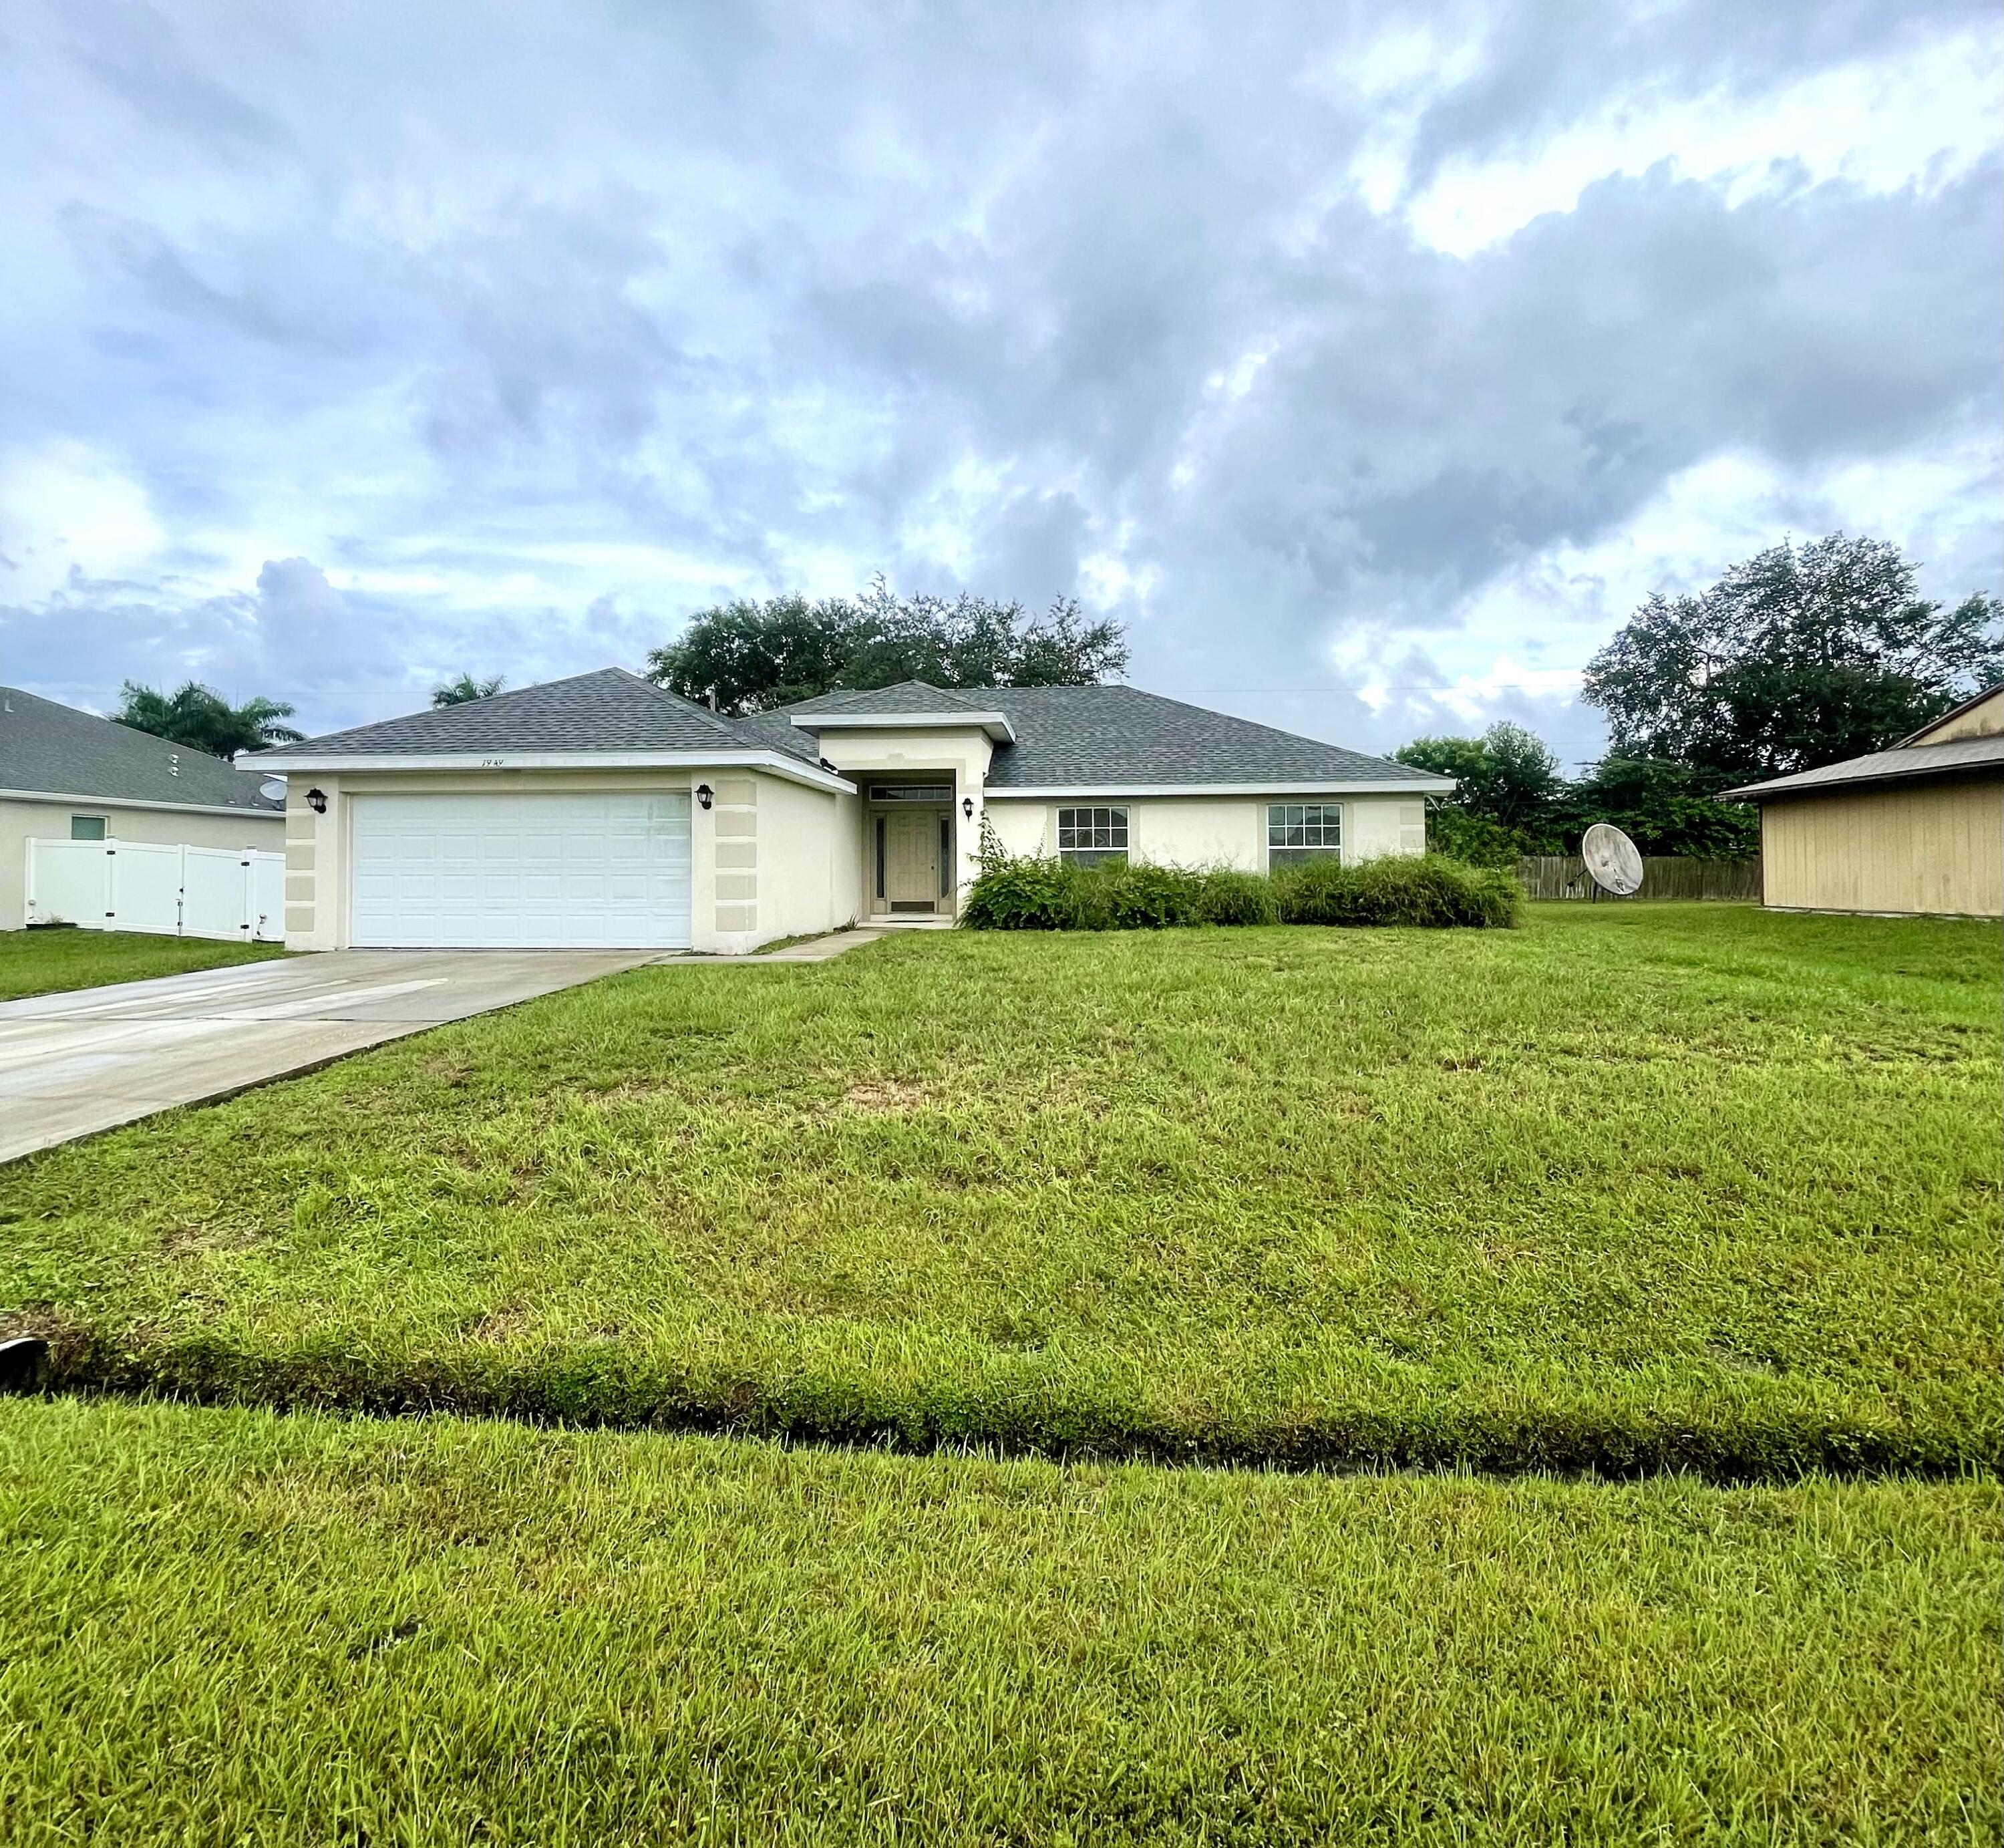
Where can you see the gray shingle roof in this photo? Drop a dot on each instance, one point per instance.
(781, 733)
(1066, 737)
(57, 750)
(1119, 736)
(609, 710)
(1960, 757)
(906, 696)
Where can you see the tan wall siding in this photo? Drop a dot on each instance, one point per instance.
(1985, 719)
(1936, 847)
(21, 822)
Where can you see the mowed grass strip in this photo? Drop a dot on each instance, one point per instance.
(1668, 1187)
(236, 1625)
(57, 962)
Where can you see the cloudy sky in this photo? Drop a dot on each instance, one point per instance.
(1370, 362)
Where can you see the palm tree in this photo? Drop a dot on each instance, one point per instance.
(200, 717)
(456, 692)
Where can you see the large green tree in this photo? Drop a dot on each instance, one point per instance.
(1507, 776)
(1664, 808)
(1511, 798)
(1798, 657)
(748, 656)
(200, 717)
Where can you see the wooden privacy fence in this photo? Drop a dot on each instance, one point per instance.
(1664, 876)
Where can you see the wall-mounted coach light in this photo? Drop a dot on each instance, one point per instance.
(967, 807)
(705, 795)
(316, 801)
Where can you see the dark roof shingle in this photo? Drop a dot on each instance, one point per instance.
(1119, 736)
(1065, 737)
(610, 710)
(54, 749)
(906, 696)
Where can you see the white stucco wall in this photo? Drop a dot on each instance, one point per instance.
(1206, 831)
(21, 821)
(808, 855)
(961, 754)
(769, 858)
(1375, 825)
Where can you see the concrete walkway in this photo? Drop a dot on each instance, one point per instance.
(72, 1064)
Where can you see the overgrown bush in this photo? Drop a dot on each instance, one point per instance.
(1152, 898)
(1024, 893)
(1020, 894)
(1234, 898)
(1429, 891)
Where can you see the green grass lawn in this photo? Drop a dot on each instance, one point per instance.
(1636, 1187)
(54, 961)
(232, 1626)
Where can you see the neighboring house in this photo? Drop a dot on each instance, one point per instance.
(602, 810)
(66, 775)
(1919, 828)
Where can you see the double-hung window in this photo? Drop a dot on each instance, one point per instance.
(1299, 832)
(1086, 836)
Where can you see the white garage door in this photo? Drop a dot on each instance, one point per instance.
(520, 872)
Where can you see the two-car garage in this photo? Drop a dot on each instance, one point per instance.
(535, 870)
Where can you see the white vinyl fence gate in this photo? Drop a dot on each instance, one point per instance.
(236, 892)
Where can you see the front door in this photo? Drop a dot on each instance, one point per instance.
(911, 859)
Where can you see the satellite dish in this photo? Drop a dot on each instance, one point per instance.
(1612, 861)
(272, 789)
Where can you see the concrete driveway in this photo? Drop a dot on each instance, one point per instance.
(71, 1065)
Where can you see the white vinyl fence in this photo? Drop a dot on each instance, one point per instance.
(236, 892)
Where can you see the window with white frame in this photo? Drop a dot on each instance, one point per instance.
(1086, 836)
(86, 827)
(1299, 832)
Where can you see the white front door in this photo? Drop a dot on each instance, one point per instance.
(911, 859)
(501, 871)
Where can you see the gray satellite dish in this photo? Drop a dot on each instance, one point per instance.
(272, 789)
(1611, 860)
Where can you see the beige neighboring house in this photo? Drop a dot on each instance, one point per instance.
(66, 775)
(1917, 828)
(603, 812)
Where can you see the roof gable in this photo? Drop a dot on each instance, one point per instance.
(50, 749)
(1071, 737)
(1978, 755)
(1113, 737)
(905, 697)
(610, 710)
(1981, 716)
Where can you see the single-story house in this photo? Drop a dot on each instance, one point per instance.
(603, 811)
(67, 775)
(1917, 828)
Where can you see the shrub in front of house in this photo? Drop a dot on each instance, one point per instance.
(1022, 893)
(1428, 890)
(1152, 898)
(1025, 893)
(1234, 898)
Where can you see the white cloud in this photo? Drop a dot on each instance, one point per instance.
(515, 336)
(65, 508)
(1920, 119)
